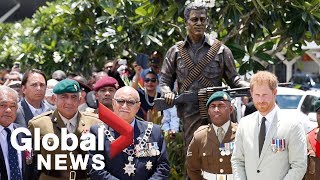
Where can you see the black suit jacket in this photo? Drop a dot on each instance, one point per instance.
(27, 170)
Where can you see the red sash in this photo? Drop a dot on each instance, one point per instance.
(314, 143)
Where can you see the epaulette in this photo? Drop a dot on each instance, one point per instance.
(91, 114)
(201, 128)
(47, 113)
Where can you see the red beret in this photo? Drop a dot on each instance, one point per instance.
(104, 82)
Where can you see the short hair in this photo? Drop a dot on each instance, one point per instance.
(264, 77)
(7, 90)
(27, 74)
(193, 6)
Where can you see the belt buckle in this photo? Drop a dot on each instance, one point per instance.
(72, 175)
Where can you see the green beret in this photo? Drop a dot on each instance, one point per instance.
(66, 86)
(317, 105)
(218, 96)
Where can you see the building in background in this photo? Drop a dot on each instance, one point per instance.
(15, 10)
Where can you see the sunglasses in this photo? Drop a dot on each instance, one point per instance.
(152, 80)
(128, 102)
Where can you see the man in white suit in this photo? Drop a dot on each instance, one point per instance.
(267, 144)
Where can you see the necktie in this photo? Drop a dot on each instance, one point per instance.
(15, 173)
(262, 134)
(220, 133)
(70, 127)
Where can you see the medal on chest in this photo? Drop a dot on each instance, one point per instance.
(129, 167)
(226, 148)
(142, 149)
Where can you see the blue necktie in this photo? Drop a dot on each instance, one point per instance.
(15, 173)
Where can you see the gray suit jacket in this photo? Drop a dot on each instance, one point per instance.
(24, 113)
(290, 164)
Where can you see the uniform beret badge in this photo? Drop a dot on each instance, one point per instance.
(225, 97)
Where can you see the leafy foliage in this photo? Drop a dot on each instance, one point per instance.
(77, 35)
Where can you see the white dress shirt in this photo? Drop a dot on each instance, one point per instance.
(269, 117)
(36, 111)
(4, 147)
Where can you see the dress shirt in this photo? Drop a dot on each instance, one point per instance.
(225, 127)
(36, 111)
(73, 121)
(269, 117)
(4, 147)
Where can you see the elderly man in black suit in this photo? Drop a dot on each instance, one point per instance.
(13, 163)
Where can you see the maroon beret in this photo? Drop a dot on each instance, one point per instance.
(104, 82)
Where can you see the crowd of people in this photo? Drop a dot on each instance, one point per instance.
(263, 145)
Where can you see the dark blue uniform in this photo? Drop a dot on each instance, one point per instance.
(114, 168)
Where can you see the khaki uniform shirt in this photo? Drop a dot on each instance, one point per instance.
(51, 122)
(204, 154)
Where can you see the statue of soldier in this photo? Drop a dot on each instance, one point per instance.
(197, 62)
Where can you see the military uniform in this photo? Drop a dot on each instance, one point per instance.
(51, 122)
(313, 171)
(207, 158)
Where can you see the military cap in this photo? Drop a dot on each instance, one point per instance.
(66, 86)
(219, 96)
(106, 81)
(317, 105)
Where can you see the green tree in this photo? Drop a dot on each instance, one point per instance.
(76, 35)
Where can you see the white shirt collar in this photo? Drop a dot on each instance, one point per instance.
(225, 127)
(270, 115)
(5, 132)
(73, 120)
(35, 111)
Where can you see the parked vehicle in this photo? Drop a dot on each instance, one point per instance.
(298, 104)
(305, 81)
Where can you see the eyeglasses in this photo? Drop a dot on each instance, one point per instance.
(152, 80)
(128, 102)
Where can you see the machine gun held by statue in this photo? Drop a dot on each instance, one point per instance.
(202, 95)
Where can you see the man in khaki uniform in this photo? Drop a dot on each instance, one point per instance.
(67, 100)
(209, 153)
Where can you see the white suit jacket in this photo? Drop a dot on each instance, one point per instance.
(290, 164)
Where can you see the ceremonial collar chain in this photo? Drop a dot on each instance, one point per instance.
(129, 167)
(142, 141)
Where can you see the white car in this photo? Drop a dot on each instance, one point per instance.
(298, 104)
